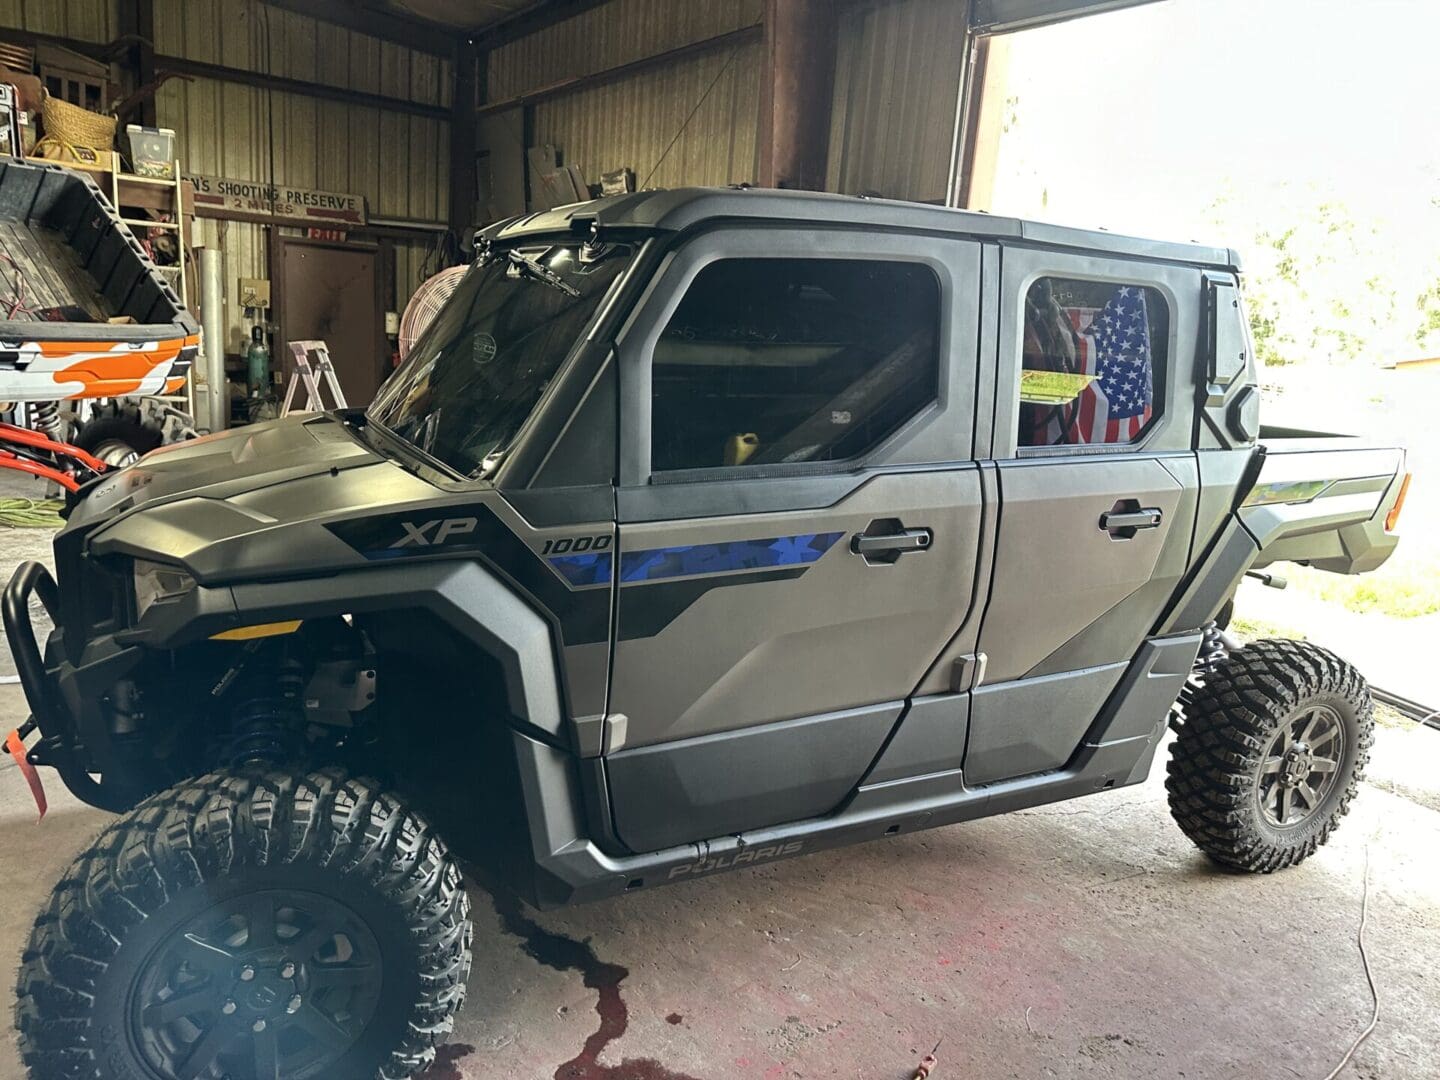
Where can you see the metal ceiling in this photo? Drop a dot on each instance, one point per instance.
(461, 14)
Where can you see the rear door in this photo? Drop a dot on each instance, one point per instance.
(799, 520)
(1092, 437)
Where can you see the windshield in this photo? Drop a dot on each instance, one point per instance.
(477, 373)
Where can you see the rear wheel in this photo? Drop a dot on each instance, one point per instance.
(257, 926)
(117, 434)
(1270, 754)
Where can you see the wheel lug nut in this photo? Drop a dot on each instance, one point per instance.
(258, 1026)
(247, 973)
(287, 970)
(294, 1005)
(228, 1008)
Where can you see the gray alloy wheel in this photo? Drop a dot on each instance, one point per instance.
(1269, 755)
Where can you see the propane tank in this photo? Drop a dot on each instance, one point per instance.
(257, 361)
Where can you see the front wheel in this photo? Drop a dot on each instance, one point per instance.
(255, 926)
(1270, 754)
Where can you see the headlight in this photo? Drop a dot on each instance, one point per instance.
(155, 582)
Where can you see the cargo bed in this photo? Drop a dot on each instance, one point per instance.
(68, 267)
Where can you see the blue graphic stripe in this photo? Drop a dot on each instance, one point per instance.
(592, 568)
(657, 564)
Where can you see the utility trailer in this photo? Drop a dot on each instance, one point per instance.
(84, 315)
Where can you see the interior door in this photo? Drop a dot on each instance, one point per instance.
(1098, 490)
(331, 293)
(799, 522)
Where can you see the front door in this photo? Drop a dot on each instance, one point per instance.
(1098, 488)
(799, 522)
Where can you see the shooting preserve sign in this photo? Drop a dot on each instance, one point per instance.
(276, 204)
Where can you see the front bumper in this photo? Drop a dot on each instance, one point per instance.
(31, 578)
(65, 700)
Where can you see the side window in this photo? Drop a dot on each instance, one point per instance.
(1094, 362)
(770, 361)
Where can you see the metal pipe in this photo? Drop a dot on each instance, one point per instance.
(212, 320)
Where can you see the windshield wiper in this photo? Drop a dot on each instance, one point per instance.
(529, 265)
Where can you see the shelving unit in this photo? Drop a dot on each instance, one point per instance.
(129, 191)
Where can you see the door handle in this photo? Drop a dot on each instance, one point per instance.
(898, 542)
(1123, 523)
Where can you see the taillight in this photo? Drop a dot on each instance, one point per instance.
(1394, 515)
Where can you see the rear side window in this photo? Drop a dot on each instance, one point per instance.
(1094, 362)
(775, 361)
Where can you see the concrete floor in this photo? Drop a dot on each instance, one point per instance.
(1084, 939)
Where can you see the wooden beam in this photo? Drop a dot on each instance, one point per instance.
(409, 30)
(623, 71)
(798, 82)
(221, 73)
(94, 50)
(137, 22)
(469, 65)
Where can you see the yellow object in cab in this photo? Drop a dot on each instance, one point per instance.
(740, 448)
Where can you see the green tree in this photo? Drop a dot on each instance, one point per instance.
(1310, 289)
(1428, 304)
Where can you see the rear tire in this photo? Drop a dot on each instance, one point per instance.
(275, 924)
(117, 434)
(1270, 754)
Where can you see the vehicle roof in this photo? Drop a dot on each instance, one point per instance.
(681, 208)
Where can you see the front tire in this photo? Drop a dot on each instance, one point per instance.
(1270, 754)
(255, 925)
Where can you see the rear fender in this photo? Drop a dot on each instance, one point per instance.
(1297, 511)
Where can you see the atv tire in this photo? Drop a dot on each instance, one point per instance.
(117, 434)
(261, 923)
(1270, 754)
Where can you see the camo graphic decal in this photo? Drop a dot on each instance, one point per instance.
(592, 568)
(657, 564)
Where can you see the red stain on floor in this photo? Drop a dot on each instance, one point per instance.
(444, 1067)
(561, 953)
(674, 1018)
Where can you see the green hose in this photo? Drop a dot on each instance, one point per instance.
(31, 513)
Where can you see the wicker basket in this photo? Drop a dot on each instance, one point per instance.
(77, 126)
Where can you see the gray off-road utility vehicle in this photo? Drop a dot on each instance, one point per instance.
(701, 529)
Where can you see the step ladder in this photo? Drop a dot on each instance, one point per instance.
(306, 372)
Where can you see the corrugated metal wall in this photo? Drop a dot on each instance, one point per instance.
(631, 122)
(608, 36)
(897, 80)
(399, 162)
(84, 20)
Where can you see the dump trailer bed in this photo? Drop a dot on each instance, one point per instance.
(84, 312)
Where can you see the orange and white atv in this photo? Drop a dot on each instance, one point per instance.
(85, 317)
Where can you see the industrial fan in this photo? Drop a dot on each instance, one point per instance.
(429, 298)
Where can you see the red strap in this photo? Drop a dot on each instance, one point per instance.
(17, 751)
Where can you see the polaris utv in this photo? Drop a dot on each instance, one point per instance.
(701, 529)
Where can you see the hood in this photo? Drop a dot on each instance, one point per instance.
(227, 462)
(246, 503)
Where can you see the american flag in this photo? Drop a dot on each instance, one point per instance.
(1113, 344)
